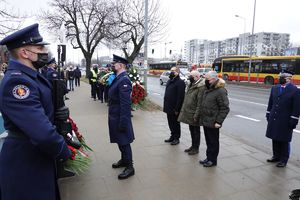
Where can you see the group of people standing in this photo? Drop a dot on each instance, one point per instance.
(99, 83)
(203, 103)
(69, 74)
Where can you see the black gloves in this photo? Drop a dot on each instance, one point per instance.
(293, 123)
(62, 113)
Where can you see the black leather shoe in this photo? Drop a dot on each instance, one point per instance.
(128, 171)
(193, 152)
(169, 140)
(281, 164)
(188, 150)
(203, 161)
(119, 164)
(175, 142)
(273, 159)
(209, 164)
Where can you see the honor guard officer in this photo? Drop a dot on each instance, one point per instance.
(51, 72)
(119, 116)
(282, 116)
(29, 152)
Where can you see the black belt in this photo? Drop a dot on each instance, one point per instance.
(16, 134)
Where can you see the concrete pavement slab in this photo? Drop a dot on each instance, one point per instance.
(165, 172)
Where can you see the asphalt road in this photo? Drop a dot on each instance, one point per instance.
(246, 120)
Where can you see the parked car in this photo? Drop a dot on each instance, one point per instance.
(203, 71)
(164, 77)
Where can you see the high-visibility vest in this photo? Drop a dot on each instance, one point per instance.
(94, 77)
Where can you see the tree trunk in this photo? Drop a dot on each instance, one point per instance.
(88, 61)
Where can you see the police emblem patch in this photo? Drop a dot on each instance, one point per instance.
(21, 92)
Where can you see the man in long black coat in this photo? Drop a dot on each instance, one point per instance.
(173, 100)
(282, 116)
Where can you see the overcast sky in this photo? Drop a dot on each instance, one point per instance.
(206, 19)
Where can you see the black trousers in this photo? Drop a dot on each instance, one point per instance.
(106, 87)
(212, 142)
(77, 81)
(101, 91)
(281, 150)
(174, 126)
(195, 135)
(126, 153)
(94, 89)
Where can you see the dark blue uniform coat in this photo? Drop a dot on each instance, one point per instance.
(283, 107)
(52, 74)
(119, 112)
(27, 164)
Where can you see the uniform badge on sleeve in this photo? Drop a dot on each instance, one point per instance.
(21, 92)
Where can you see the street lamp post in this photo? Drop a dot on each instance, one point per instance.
(243, 41)
(146, 46)
(252, 42)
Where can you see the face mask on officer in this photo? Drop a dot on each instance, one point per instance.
(282, 80)
(42, 59)
(113, 69)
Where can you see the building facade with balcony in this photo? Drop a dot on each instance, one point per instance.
(262, 44)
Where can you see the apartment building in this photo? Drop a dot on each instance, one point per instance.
(261, 44)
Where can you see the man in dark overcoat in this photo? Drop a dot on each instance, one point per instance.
(173, 100)
(282, 116)
(29, 152)
(119, 116)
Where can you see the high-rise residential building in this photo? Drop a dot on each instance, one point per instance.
(262, 44)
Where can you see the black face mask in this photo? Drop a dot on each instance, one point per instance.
(113, 69)
(41, 61)
(192, 80)
(207, 84)
(172, 75)
(282, 80)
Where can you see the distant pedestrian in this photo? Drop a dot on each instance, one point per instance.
(282, 115)
(214, 109)
(190, 111)
(71, 77)
(173, 99)
(77, 76)
(119, 116)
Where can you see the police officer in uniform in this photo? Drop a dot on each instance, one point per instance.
(29, 152)
(93, 81)
(282, 115)
(51, 72)
(119, 116)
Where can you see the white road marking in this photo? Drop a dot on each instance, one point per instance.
(296, 131)
(244, 117)
(251, 102)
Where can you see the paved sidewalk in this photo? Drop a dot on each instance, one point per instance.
(165, 172)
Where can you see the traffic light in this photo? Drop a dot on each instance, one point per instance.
(170, 52)
(152, 51)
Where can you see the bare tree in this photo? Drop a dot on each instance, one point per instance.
(128, 34)
(9, 20)
(86, 22)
